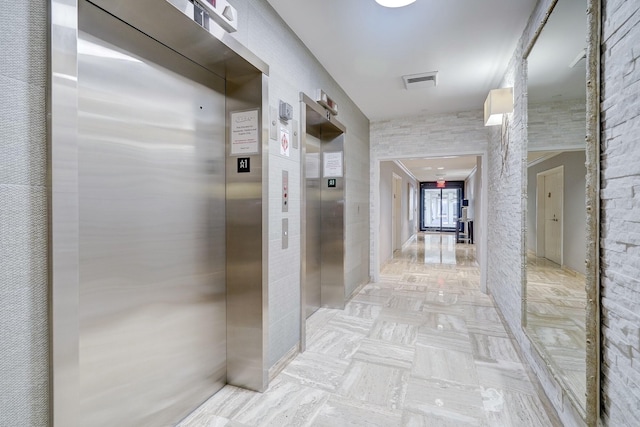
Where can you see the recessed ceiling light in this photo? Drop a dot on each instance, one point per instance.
(428, 168)
(394, 3)
(440, 168)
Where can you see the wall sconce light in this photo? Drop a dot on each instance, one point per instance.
(498, 103)
(394, 3)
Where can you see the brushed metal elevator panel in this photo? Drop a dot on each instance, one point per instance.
(313, 228)
(152, 314)
(323, 241)
(247, 247)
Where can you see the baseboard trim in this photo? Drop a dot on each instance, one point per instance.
(283, 362)
(357, 290)
(409, 240)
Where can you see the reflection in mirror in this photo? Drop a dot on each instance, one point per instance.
(556, 216)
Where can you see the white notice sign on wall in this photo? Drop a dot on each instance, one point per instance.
(245, 133)
(333, 165)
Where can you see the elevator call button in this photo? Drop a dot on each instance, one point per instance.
(285, 191)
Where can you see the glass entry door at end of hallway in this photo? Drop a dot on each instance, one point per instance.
(440, 206)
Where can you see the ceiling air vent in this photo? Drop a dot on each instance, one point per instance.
(422, 80)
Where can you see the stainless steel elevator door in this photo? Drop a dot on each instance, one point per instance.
(152, 230)
(313, 226)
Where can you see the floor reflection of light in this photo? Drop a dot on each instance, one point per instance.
(440, 248)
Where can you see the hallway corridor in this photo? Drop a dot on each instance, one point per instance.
(422, 347)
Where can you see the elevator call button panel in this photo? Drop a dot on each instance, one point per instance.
(285, 191)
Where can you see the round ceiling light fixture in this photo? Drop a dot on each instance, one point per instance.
(394, 3)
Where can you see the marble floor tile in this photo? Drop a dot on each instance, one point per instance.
(487, 328)
(320, 317)
(443, 298)
(414, 318)
(575, 380)
(407, 286)
(553, 338)
(380, 385)
(444, 323)
(446, 400)
(339, 411)
(208, 420)
(224, 404)
(416, 419)
(286, 404)
(510, 376)
(362, 309)
(371, 298)
(512, 409)
(394, 332)
(556, 316)
(432, 363)
(316, 370)
(453, 308)
(349, 324)
(423, 348)
(379, 289)
(481, 313)
(488, 348)
(334, 343)
(444, 338)
(404, 302)
(385, 353)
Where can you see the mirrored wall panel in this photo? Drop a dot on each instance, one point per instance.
(556, 216)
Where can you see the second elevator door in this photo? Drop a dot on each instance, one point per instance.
(152, 229)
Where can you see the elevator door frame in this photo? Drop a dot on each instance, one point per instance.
(319, 122)
(168, 23)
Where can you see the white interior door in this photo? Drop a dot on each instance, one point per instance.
(553, 194)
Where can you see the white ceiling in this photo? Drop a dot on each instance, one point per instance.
(450, 168)
(367, 48)
(562, 39)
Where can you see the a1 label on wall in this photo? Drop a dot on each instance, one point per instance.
(331, 183)
(244, 164)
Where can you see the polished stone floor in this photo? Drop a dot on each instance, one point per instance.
(422, 347)
(556, 301)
